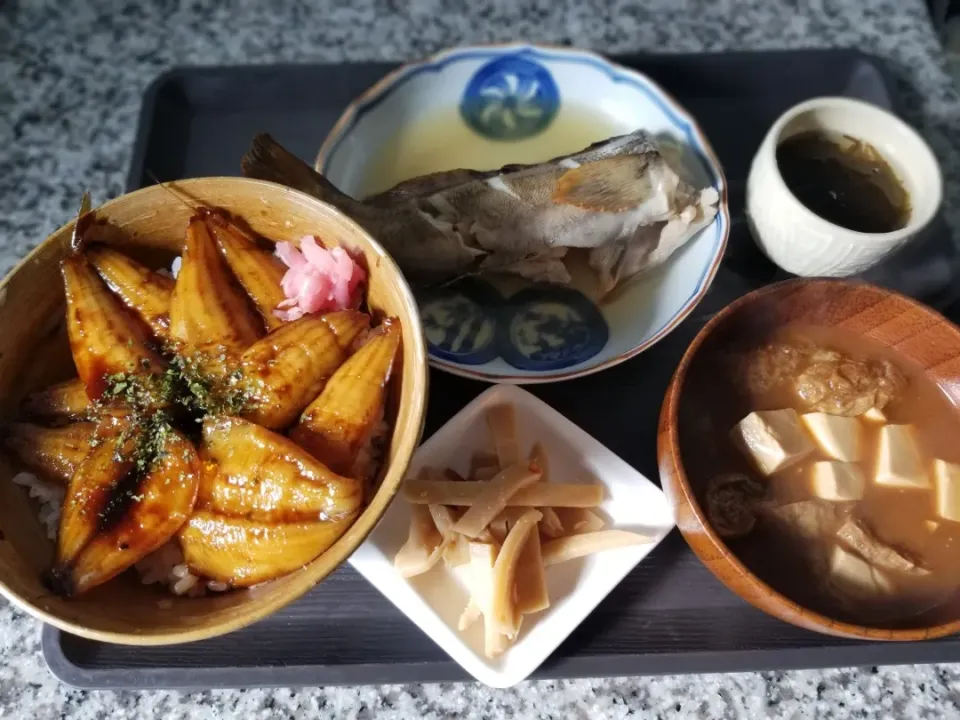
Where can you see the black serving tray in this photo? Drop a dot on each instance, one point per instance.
(670, 615)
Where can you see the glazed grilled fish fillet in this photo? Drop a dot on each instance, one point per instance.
(624, 201)
(207, 311)
(64, 400)
(141, 289)
(335, 426)
(242, 552)
(119, 509)
(286, 370)
(54, 452)
(105, 338)
(258, 271)
(254, 473)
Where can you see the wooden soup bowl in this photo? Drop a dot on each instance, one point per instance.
(34, 353)
(888, 318)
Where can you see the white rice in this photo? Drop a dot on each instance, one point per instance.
(49, 495)
(164, 566)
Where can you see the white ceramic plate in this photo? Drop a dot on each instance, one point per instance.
(488, 91)
(435, 600)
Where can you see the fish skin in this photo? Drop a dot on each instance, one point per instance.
(445, 225)
(207, 312)
(63, 400)
(53, 452)
(243, 552)
(145, 292)
(253, 473)
(336, 424)
(288, 368)
(105, 339)
(92, 545)
(258, 271)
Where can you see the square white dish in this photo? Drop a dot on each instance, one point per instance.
(435, 600)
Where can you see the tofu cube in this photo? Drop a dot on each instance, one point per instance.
(836, 481)
(899, 464)
(791, 485)
(946, 480)
(856, 576)
(772, 439)
(874, 415)
(838, 437)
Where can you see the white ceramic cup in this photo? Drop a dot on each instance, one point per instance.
(803, 243)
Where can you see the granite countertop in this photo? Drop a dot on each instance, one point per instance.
(71, 78)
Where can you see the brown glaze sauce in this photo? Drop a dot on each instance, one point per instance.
(719, 394)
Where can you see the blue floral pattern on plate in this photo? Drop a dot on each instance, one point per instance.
(460, 321)
(510, 98)
(540, 328)
(546, 327)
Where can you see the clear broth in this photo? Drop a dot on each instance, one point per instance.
(896, 516)
(444, 141)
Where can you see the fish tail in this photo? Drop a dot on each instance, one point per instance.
(269, 160)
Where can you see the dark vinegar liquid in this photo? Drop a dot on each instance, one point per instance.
(845, 181)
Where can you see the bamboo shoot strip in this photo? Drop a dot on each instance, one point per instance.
(503, 610)
(555, 495)
(574, 546)
(493, 497)
(503, 426)
(531, 580)
(424, 544)
(580, 520)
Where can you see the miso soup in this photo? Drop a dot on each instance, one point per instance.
(831, 467)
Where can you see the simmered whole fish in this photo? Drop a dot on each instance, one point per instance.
(335, 426)
(254, 473)
(624, 200)
(287, 369)
(64, 400)
(141, 289)
(54, 452)
(105, 339)
(128, 498)
(258, 271)
(241, 552)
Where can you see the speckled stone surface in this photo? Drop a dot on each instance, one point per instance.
(71, 77)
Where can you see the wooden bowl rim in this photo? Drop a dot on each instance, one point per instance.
(670, 452)
(408, 437)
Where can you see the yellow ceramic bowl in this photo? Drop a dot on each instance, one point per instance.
(34, 352)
